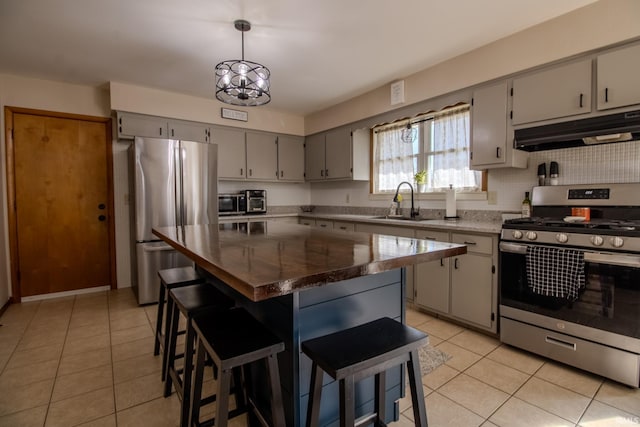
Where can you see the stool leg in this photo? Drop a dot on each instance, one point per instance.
(315, 392)
(170, 351)
(187, 373)
(347, 402)
(222, 398)
(277, 410)
(380, 401)
(167, 335)
(196, 389)
(417, 394)
(156, 347)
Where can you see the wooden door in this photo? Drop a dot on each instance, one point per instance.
(62, 197)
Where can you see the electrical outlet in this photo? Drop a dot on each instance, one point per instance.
(492, 197)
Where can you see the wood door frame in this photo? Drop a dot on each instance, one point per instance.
(11, 193)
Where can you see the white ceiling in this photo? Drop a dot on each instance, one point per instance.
(320, 52)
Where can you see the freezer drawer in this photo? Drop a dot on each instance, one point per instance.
(151, 257)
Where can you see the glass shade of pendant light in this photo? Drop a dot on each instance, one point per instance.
(408, 134)
(240, 82)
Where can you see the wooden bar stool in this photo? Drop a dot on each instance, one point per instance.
(359, 352)
(169, 279)
(188, 301)
(233, 340)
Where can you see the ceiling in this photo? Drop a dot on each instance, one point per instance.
(319, 52)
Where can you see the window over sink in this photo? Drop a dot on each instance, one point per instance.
(440, 146)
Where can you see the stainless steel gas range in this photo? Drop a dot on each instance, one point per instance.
(570, 278)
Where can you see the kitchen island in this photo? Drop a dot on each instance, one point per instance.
(305, 282)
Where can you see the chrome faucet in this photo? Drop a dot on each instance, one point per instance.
(413, 213)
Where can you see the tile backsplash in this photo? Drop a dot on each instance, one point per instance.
(604, 163)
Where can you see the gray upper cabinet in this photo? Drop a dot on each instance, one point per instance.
(232, 154)
(337, 155)
(132, 125)
(491, 137)
(561, 91)
(189, 131)
(290, 158)
(617, 78)
(262, 156)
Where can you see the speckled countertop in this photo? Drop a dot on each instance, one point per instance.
(470, 225)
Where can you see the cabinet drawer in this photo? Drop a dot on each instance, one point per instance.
(438, 236)
(307, 221)
(475, 243)
(344, 226)
(324, 223)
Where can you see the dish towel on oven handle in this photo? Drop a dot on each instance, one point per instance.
(555, 272)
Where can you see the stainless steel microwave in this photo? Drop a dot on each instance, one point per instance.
(256, 201)
(232, 204)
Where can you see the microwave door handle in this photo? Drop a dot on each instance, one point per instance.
(632, 261)
(513, 248)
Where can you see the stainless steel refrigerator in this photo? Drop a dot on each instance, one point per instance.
(173, 183)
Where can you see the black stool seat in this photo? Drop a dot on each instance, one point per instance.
(170, 278)
(359, 352)
(234, 339)
(188, 300)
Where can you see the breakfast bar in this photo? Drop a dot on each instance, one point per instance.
(303, 282)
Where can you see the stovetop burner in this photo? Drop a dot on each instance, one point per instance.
(599, 224)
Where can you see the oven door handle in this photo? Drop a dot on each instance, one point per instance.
(513, 248)
(613, 259)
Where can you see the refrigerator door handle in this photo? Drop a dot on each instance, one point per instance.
(179, 186)
(157, 248)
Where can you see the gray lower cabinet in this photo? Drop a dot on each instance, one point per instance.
(463, 287)
(432, 278)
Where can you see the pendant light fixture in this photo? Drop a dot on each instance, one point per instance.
(407, 134)
(240, 82)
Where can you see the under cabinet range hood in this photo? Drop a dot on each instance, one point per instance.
(619, 127)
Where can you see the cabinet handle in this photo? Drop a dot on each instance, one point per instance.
(429, 238)
(581, 96)
(326, 173)
(343, 228)
(281, 174)
(242, 171)
(323, 225)
(160, 131)
(441, 262)
(172, 133)
(321, 172)
(606, 94)
(455, 263)
(498, 152)
(470, 243)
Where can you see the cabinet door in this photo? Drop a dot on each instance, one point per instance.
(489, 125)
(189, 131)
(559, 92)
(618, 73)
(314, 156)
(338, 154)
(307, 221)
(262, 156)
(471, 289)
(432, 278)
(290, 158)
(232, 158)
(131, 125)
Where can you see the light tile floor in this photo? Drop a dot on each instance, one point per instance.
(88, 360)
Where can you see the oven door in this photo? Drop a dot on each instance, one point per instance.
(610, 300)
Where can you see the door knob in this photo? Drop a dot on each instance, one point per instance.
(102, 218)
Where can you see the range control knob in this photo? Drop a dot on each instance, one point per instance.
(517, 234)
(596, 240)
(532, 235)
(562, 237)
(616, 242)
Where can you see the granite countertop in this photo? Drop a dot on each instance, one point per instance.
(493, 227)
(270, 259)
